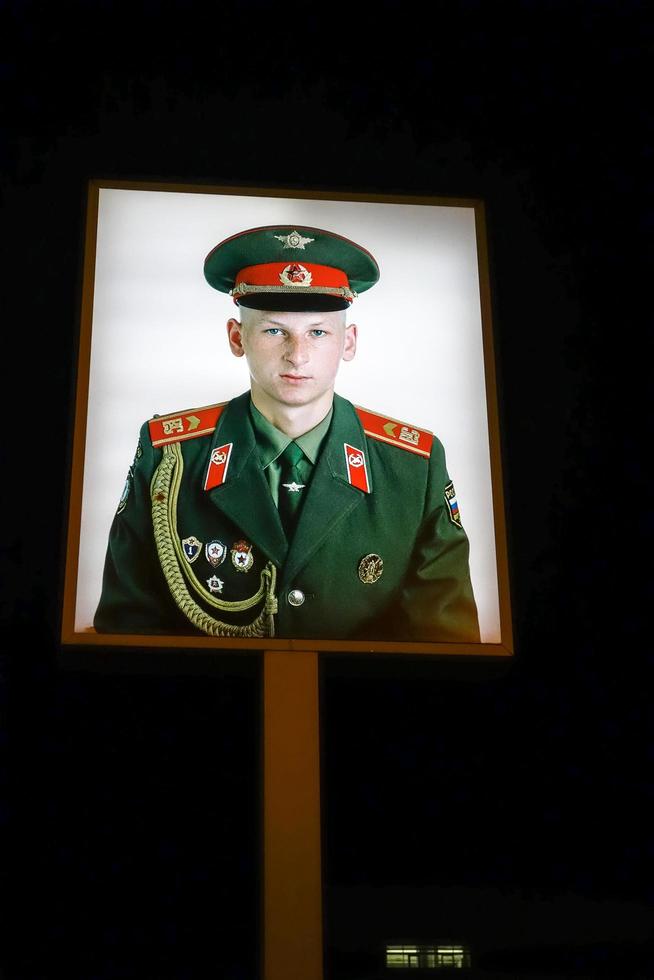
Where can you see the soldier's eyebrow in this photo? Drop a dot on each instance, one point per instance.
(285, 326)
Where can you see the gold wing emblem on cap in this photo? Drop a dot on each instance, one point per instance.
(294, 240)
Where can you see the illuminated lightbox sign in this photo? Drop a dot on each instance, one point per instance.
(179, 530)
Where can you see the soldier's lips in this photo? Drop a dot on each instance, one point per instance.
(295, 377)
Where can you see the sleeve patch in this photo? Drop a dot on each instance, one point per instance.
(122, 503)
(450, 500)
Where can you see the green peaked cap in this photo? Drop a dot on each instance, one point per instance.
(292, 281)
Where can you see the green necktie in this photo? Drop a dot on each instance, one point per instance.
(291, 487)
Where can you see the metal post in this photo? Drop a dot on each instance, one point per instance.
(292, 867)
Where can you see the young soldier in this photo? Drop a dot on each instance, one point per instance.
(288, 511)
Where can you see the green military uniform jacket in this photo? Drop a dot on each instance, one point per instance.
(197, 545)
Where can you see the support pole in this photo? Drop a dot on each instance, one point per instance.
(292, 868)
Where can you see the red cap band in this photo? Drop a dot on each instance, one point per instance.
(292, 274)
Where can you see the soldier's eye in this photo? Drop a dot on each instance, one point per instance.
(273, 331)
(319, 333)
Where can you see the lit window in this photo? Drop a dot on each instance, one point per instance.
(427, 957)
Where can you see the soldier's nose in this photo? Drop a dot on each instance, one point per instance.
(296, 353)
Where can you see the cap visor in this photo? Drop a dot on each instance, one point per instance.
(289, 303)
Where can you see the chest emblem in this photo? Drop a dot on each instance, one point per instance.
(241, 553)
(192, 548)
(370, 569)
(215, 552)
(357, 471)
(215, 584)
(294, 487)
(218, 465)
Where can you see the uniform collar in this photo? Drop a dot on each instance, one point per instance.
(245, 483)
(271, 441)
(330, 496)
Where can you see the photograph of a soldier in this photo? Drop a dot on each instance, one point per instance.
(289, 510)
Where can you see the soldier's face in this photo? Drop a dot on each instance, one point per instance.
(293, 357)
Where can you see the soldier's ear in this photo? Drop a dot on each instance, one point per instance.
(350, 345)
(235, 337)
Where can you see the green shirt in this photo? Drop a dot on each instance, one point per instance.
(271, 443)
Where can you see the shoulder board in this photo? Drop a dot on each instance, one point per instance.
(396, 433)
(189, 424)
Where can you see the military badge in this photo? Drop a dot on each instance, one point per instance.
(409, 435)
(450, 499)
(122, 503)
(295, 275)
(241, 553)
(171, 426)
(215, 552)
(215, 584)
(357, 472)
(370, 569)
(192, 548)
(294, 240)
(218, 463)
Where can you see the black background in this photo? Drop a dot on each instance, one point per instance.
(506, 806)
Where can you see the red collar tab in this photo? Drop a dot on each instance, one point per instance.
(357, 471)
(396, 433)
(180, 426)
(218, 464)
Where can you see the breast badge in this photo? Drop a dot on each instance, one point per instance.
(370, 569)
(215, 552)
(215, 584)
(241, 553)
(192, 548)
(450, 498)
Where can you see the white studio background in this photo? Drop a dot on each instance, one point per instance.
(159, 343)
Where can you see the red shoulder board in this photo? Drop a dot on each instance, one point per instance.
(185, 425)
(396, 433)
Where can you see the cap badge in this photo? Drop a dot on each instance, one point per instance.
(357, 472)
(370, 569)
(216, 552)
(294, 240)
(192, 548)
(215, 584)
(241, 553)
(450, 498)
(295, 275)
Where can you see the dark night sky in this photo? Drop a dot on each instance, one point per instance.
(491, 791)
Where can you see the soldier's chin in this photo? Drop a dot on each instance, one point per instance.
(296, 395)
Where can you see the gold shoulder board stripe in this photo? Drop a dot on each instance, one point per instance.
(396, 433)
(189, 424)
